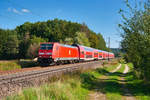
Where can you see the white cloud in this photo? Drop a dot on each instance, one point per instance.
(16, 11)
(25, 10)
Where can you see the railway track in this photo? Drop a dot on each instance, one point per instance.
(11, 83)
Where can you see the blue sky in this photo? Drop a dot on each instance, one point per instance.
(100, 15)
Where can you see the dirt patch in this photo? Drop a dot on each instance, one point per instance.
(126, 70)
(96, 94)
(126, 92)
(116, 69)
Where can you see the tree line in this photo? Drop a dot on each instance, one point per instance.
(136, 37)
(24, 40)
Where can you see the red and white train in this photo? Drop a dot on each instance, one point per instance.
(53, 52)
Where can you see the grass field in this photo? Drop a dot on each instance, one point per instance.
(78, 87)
(9, 65)
(68, 88)
(16, 64)
(105, 82)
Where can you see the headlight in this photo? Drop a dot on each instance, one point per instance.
(48, 53)
(41, 53)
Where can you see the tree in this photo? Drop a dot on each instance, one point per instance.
(34, 44)
(12, 45)
(3, 40)
(8, 44)
(136, 37)
(82, 39)
(24, 45)
(101, 43)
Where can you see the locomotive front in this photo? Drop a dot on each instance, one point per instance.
(45, 53)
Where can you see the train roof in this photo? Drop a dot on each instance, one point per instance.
(65, 45)
(85, 47)
(100, 51)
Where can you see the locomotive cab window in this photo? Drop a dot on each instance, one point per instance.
(46, 46)
(43, 48)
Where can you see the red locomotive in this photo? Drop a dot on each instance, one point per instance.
(56, 53)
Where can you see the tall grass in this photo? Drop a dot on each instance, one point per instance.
(9, 65)
(16, 64)
(69, 89)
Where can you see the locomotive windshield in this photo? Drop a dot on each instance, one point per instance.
(46, 46)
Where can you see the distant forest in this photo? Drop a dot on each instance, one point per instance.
(23, 41)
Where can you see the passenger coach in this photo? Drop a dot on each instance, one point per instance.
(85, 53)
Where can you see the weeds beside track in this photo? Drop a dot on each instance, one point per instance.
(14, 82)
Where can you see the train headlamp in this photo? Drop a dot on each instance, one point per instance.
(41, 53)
(48, 53)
